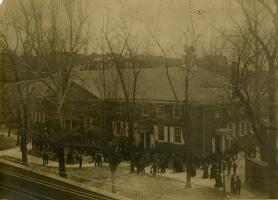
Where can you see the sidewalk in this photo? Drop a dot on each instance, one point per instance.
(16, 153)
(246, 193)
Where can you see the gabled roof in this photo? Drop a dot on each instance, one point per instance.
(45, 88)
(153, 84)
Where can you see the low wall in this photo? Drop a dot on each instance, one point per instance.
(256, 174)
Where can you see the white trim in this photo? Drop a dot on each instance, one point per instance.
(172, 135)
(165, 133)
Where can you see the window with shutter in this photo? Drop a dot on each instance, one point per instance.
(177, 135)
(161, 133)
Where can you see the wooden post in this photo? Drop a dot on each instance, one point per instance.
(204, 132)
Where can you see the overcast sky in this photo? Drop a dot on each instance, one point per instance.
(164, 18)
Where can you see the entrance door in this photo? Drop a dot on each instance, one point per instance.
(148, 140)
(217, 144)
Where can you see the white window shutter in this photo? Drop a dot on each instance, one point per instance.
(182, 139)
(126, 129)
(43, 117)
(155, 127)
(245, 128)
(114, 124)
(172, 134)
(165, 133)
(240, 128)
(234, 129)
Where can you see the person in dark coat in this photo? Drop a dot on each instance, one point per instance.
(229, 166)
(80, 161)
(175, 163)
(233, 182)
(46, 158)
(237, 185)
(213, 170)
(93, 156)
(234, 167)
(154, 169)
(100, 160)
(219, 166)
(96, 160)
(218, 181)
(43, 158)
(224, 165)
(205, 167)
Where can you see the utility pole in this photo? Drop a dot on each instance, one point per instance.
(204, 132)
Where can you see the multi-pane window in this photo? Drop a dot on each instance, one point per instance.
(36, 117)
(231, 126)
(177, 112)
(146, 109)
(39, 117)
(246, 127)
(242, 128)
(177, 135)
(43, 117)
(160, 110)
(251, 128)
(118, 127)
(91, 122)
(118, 109)
(217, 114)
(161, 133)
(68, 124)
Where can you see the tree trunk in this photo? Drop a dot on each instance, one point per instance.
(24, 136)
(186, 132)
(9, 131)
(131, 143)
(188, 169)
(62, 163)
(113, 181)
(272, 138)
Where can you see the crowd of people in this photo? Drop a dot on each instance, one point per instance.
(222, 165)
(213, 165)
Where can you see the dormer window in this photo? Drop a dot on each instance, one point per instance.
(217, 115)
(146, 109)
(176, 112)
(160, 110)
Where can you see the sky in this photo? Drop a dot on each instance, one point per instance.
(167, 19)
(164, 19)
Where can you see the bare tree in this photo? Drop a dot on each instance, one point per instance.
(254, 46)
(123, 50)
(43, 40)
(189, 63)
